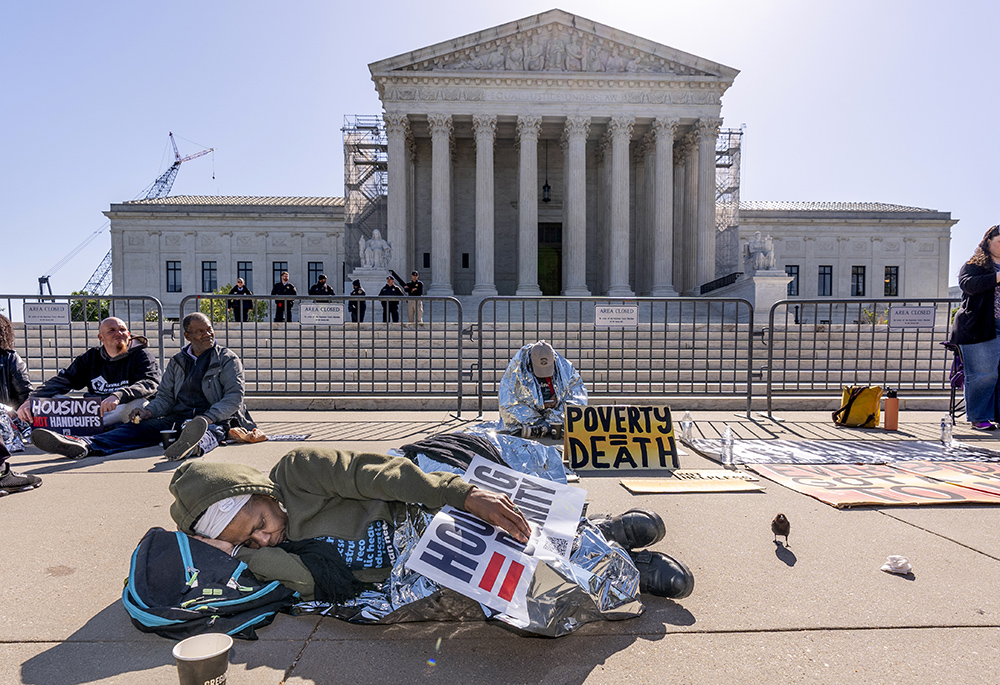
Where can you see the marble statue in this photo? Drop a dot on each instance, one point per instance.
(760, 252)
(375, 252)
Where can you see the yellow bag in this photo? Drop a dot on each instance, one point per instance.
(860, 406)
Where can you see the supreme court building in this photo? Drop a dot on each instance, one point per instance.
(547, 156)
(558, 139)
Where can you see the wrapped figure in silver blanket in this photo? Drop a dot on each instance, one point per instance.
(536, 387)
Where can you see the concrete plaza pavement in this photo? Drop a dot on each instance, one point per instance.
(820, 611)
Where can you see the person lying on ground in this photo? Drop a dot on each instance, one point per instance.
(349, 504)
(121, 369)
(202, 391)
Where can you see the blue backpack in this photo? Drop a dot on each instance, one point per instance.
(179, 586)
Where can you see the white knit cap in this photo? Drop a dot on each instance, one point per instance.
(217, 517)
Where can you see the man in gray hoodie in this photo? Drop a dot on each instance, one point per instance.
(202, 390)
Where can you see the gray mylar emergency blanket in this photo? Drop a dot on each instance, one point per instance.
(520, 395)
(598, 582)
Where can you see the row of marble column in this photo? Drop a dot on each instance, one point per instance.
(676, 236)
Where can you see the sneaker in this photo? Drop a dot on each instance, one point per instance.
(11, 482)
(68, 446)
(661, 575)
(983, 426)
(186, 445)
(635, 529)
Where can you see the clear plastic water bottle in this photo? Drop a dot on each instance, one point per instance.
(946, 430)
(728, 441)
(687, 427)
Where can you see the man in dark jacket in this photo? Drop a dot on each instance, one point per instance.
(240, 308)
(120, 369)
(357, 307)
(390, 308)
(415, 289)
(202, 390)
(321, 288)
(283, 308)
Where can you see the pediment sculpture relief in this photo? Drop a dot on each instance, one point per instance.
(556, 49)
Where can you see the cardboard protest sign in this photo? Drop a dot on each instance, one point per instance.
(480, 561)
(975, 475)
(694, 480)
(68, 415)
(619, 438)
(870, 451)
(849, 485)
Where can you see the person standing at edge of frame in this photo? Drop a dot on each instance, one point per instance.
(283, 308)
(976, 330)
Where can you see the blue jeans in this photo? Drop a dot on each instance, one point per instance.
(982, 379)
(132, 436)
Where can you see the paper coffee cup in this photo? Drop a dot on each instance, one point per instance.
(169, 437)
(203, 659)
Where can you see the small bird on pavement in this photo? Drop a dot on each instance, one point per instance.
(780, 526)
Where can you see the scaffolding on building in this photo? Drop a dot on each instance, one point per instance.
(727, 178)
(365, 181)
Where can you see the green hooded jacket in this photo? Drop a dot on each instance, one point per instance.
(326, 492)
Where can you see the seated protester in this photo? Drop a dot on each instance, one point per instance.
(121, 370)
(203, 386)
(15, 386)
(535, 389)
(352, 503)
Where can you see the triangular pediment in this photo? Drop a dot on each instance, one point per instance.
(553, 42)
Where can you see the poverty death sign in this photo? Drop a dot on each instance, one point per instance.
(480, 561)
(619, 438)
(68, 415)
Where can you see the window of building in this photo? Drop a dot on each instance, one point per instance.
(209, 276)
(793, 285)
(276, 269)
(824, 288)
(891, 281)
(315, 269)
(857, 281)
(427, 260)
(244, 270)
(465, 260)
(173, 277)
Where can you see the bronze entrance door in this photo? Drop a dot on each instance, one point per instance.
(550, 258)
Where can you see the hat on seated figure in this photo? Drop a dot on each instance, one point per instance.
(543, 359)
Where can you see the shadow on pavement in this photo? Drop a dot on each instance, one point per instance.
(786, 555)
(89, 655)
(477, 651)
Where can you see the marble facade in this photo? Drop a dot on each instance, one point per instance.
(194, 230)
(855, 241)
(478, 124)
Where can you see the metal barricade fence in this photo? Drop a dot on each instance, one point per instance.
(51, 331)
(820, 346)
(640, 347)
(323, 352)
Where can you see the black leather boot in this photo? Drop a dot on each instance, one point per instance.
(661, 575)
(635, 529)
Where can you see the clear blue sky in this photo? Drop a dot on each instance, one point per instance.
(844, 100)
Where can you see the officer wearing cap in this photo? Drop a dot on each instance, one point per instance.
(321, 288)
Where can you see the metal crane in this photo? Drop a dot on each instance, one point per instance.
(100, 280)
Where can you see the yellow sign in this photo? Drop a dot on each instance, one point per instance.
(619, 438)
